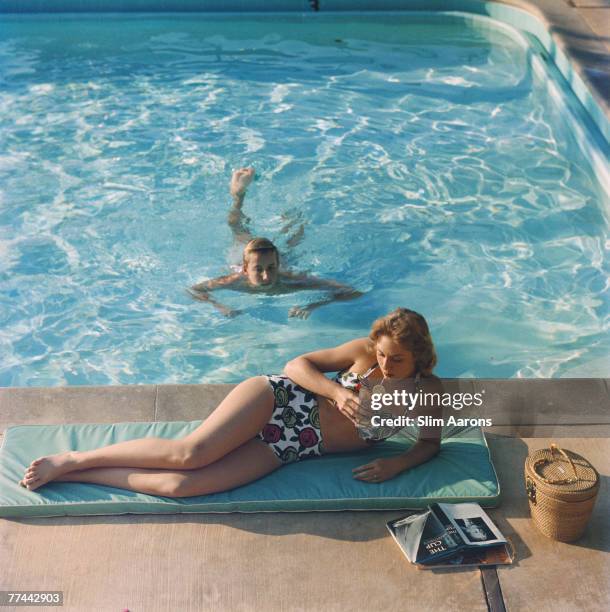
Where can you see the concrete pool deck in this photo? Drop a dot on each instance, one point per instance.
(303, 561)
(581, 29)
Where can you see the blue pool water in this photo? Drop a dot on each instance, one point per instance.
(429, 160)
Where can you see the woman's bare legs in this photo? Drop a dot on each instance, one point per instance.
(249, 462)
(238, 418)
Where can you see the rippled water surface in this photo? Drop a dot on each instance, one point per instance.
(425, 156)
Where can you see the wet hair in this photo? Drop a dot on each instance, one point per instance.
(409, 329)
(259, 245)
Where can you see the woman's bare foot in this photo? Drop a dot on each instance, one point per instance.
(45, 469)
(241, 180)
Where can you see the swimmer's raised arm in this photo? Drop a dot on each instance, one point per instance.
(238, 222)
(338, 292)
(201, 291)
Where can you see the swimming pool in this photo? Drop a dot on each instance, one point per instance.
(429, 156)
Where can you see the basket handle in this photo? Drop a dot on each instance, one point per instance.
(555, 448)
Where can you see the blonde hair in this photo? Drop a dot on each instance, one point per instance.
(259, 245)
(409, 329)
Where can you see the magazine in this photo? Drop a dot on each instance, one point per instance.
(501, 554)
(449, 535)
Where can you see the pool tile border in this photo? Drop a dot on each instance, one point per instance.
(517, 407)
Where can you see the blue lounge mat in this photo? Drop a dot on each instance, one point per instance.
(462, 471)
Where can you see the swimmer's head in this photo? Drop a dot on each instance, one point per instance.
(402, 343)
(261, 262)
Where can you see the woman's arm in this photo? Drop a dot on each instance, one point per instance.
(389, 467)
(420, 452)
(428, 443)
(308, 371)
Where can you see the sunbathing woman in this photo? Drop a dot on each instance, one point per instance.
(267, 421)
(261, 269)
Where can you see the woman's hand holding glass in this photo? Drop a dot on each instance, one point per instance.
(349, 405)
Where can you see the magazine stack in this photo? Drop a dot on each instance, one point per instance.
(451, 535)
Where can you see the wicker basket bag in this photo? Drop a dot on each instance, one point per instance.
(561, 488)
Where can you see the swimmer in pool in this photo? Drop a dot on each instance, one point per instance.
(261, 269)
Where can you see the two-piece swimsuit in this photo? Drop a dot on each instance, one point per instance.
(293, 432)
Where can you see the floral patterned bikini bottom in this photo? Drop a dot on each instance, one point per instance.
(293, 433)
